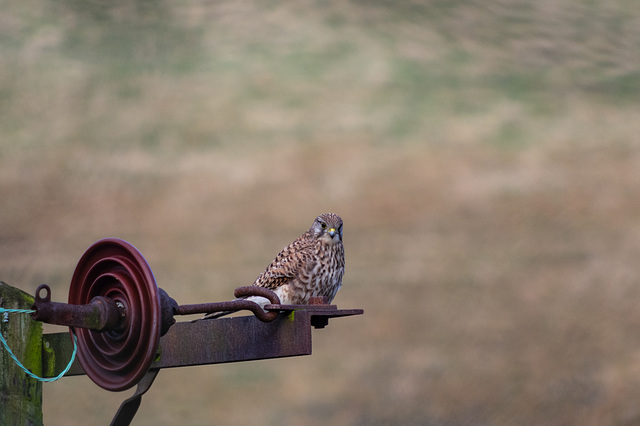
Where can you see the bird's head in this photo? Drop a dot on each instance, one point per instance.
(328, 228)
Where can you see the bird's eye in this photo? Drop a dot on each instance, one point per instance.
(323, 225)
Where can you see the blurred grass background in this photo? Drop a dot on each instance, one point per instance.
(484, 155)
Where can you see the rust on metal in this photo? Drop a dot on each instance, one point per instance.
(217, 341)
(100, 314)
(319, 315)
(125, 324)
(233, 339)
(127, 332)
(252, 290)
(235, 305)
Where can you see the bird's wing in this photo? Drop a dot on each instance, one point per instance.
(287, 264)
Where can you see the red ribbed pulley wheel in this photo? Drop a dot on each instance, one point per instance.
(117, 359)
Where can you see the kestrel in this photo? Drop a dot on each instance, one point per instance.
(312, 265)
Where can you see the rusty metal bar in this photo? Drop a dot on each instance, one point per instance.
(217, 341)
(230, 306)
(235, 305)
(233, 339)
(100, 314)
(205, 342)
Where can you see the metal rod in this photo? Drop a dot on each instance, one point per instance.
(231, 306)
(236, 305)
(215, 341)
(100, 314)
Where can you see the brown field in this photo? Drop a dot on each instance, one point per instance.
(485, 157)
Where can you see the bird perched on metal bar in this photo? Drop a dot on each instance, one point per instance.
(312, 265)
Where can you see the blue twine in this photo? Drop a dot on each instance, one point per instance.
(29, 373)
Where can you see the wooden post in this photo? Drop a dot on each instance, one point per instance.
(20, 395)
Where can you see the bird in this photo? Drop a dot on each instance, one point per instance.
(312, 265)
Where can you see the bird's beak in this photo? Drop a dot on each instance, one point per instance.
(332, 232)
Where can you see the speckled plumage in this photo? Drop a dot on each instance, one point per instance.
(312, 265)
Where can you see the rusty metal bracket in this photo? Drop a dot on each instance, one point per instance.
(320, 311)
(234, 339)
(275, 331)
(127, 331)
(203, 342)
(235, 305)
(105, 314)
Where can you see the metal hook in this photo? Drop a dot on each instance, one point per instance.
(236, 305)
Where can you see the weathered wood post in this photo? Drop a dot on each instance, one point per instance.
(20, 395)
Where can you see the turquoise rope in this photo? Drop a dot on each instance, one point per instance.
(17, 311)
(29, 373)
